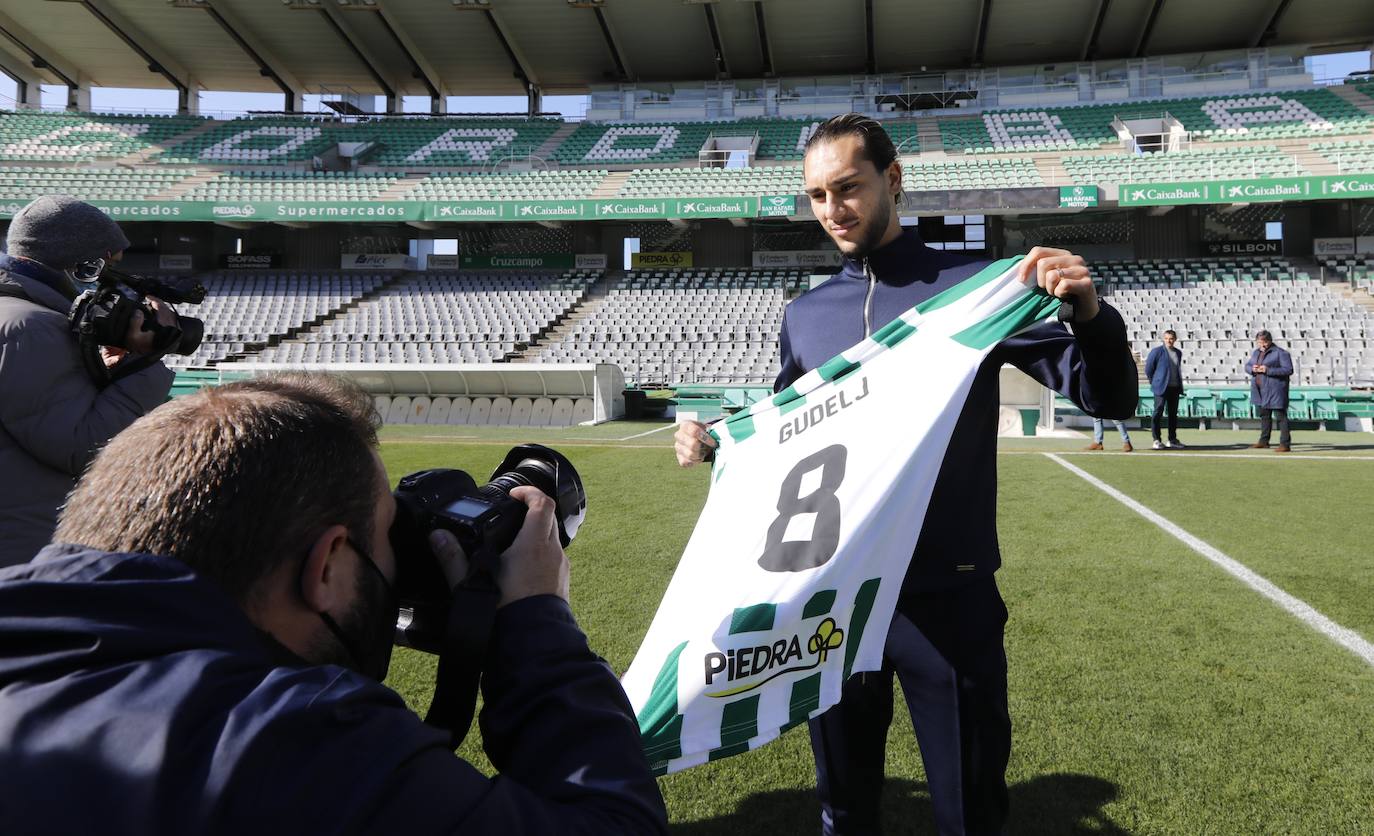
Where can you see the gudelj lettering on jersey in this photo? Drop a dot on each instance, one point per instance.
(765, 662)
(814, 415)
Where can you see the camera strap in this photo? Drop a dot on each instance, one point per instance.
(467, 635)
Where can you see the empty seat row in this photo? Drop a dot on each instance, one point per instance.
(496, 410)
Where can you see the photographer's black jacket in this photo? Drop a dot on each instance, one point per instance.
(136, 698)
(1092, 366)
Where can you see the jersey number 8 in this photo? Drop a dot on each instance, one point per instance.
(800, 555)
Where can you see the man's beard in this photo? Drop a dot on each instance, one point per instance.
(370, 624)
(873, 234)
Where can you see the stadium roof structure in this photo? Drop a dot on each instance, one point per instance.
(501, 47)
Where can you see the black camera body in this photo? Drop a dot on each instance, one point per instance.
(101, 316)
(485, 521)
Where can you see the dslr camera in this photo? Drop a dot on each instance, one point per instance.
(100, 316)
(485, 521)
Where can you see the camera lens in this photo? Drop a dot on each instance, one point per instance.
(533, 472)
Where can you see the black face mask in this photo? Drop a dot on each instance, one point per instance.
(371, 624)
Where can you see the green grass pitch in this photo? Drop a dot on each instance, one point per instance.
(1151, 692)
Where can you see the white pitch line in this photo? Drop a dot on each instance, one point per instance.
(1343, 636)
(1159, 454)
(650, 432)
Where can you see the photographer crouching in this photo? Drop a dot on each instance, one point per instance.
(201, 648)
(55, 410)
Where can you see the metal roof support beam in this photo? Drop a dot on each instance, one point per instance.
(517, 58)
(420, 68)
(1089, 51)
(981, 39)
(157, 59)
(365, 57)
(722, 66)
(1271, 29)
(622, 68)
(41, 56)
(1144, 40)
(269, 66)
(765, 48)
(871, 62)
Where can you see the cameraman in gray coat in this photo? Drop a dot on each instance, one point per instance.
(53, 416)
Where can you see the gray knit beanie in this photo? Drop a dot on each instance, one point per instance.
(61, 232)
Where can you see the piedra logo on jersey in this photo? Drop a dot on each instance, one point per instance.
(770, 661)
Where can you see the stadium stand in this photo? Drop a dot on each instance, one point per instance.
(416, 143)
(28, 182)
(786, 236)
(497, 239)
(441, 318)
(532, 185)
(1192, 164)
(1356, 269)
(762, 180)
(661, 237)
(712, 182)
(484, 410)
(1348, 155)
(1010, 173)
(245, 310)
(291, 186)
(1085, 228)
(1216, 306)
(1290, 115)
(1245, 223)
(665, 327)
(85, 137)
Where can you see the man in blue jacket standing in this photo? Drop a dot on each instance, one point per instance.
(201, 651)
(1164, 368)
(1269, 368)
(945, 643)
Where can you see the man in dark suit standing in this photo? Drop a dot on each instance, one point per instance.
(1164, 368)
(1269, 368)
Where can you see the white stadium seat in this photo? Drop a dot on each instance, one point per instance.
(438, 410)
(419, 410)
(458, 411)
(480, 412)
(540, 412)
(500, 412)
(562, 413)
(400, 410)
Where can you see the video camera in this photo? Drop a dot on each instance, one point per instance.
(101, 316)
(484, 519)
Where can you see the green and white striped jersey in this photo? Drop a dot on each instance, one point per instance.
(817, 496)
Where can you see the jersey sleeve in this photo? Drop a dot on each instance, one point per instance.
(1091, 366)
(790, 369)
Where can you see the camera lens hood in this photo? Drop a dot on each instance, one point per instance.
(570, 499)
